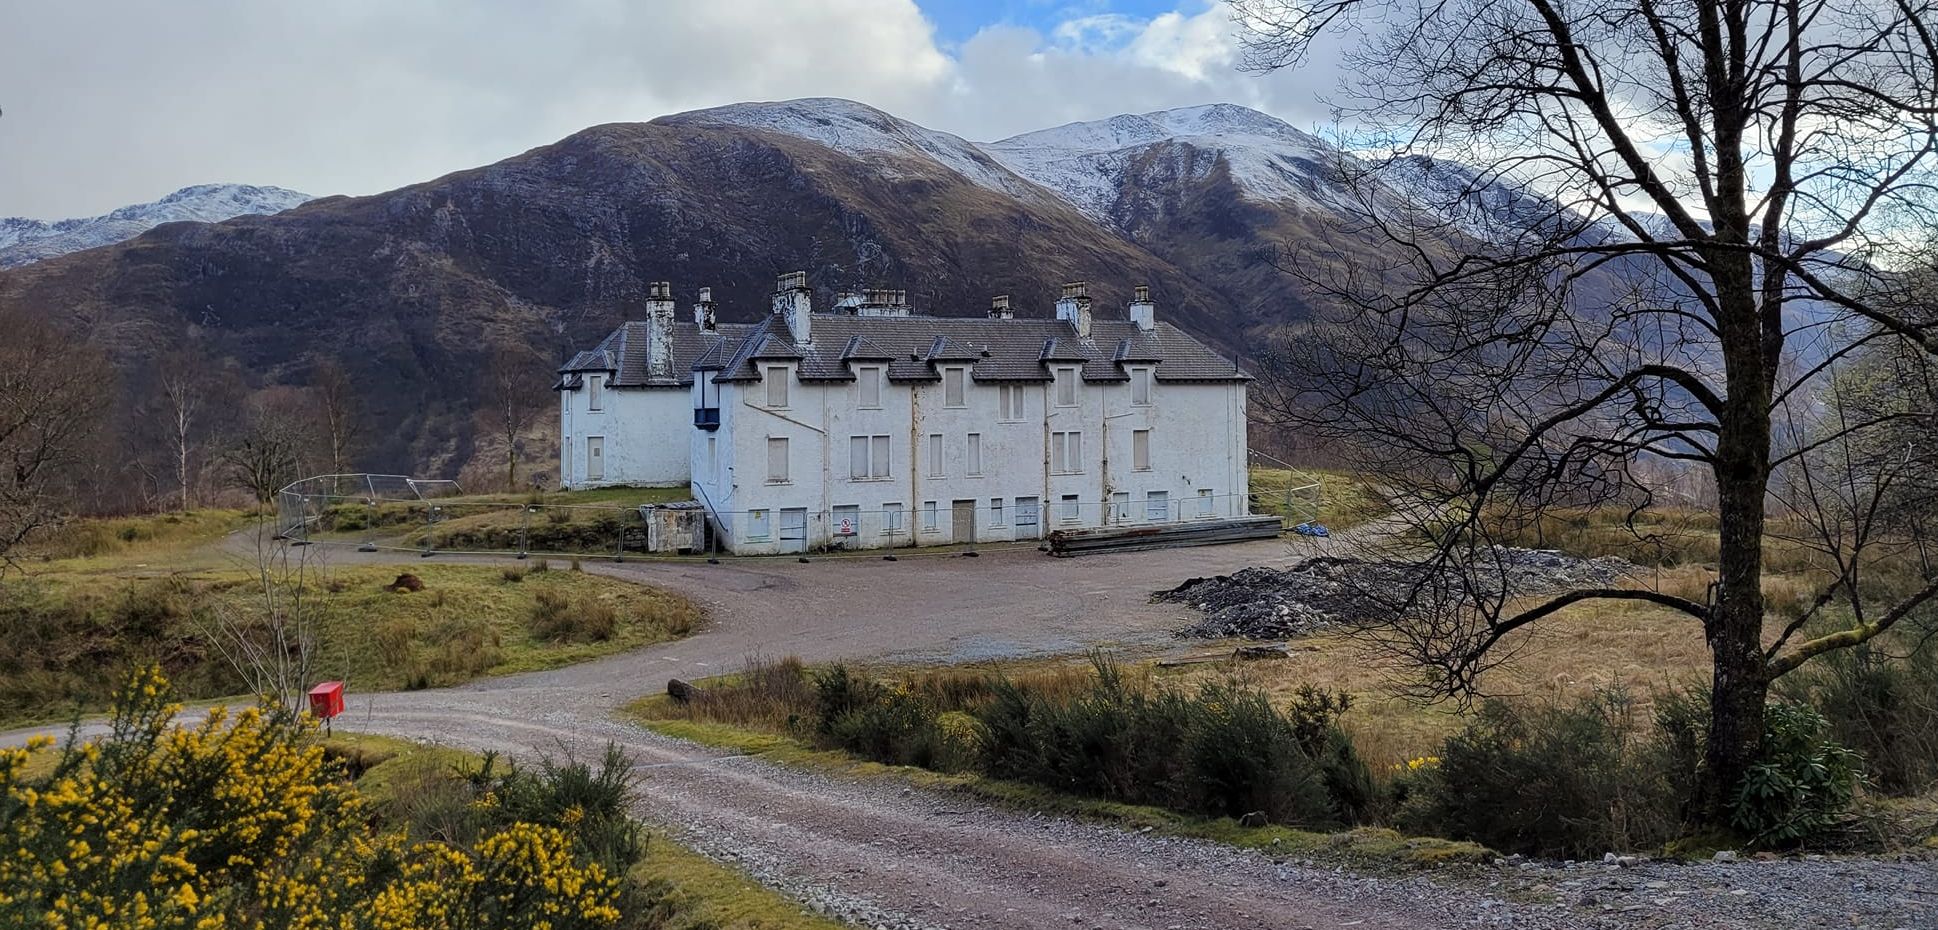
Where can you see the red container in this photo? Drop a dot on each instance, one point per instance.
(326, 700)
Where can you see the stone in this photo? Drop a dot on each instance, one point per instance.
(1253, 819)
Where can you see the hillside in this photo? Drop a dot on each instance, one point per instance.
(408, 290)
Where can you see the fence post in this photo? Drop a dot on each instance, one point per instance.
(430, 524)
(525, 530)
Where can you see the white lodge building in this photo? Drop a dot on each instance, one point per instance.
(867, 425)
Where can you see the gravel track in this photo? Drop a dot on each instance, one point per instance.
(879, 854)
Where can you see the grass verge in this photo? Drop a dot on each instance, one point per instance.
(1367, 848)
(696, 890)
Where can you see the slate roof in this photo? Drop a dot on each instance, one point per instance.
(623, 355)
(912, 346)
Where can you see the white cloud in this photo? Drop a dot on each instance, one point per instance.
(110, 103)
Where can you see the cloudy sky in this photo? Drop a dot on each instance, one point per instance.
(110, 102)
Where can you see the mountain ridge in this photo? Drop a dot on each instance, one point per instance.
(24, 240)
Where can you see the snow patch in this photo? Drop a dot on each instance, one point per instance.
(23, 240)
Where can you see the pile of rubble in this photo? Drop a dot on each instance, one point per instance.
(1266, 603)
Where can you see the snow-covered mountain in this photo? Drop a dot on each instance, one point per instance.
(25, 240)
(886, 142)
(1089, 164)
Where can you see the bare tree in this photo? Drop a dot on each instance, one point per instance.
(271, 633)
(337, 408)
(513, 387)
(51, 395)
(264, 457)
(183, 383)
(1718, 195)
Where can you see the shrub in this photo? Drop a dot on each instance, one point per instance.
(1802, 783)
(1561, 780)
(512, 573)
(1882, 706)
(239, 820)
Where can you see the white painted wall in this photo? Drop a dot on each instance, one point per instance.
(1197, 444)
(644, 433)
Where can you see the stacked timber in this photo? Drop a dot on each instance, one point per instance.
(1163, 535)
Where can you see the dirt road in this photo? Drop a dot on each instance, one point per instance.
(879, 854)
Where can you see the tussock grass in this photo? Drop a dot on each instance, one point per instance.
(64, 636)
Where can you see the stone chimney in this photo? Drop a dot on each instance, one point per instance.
(1074, 307)
(999, 308)
(1142, 311)
(874, 301)
(659, 329)
(794, 303)
(703, 316)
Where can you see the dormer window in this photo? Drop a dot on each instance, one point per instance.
(776, 378)
(1066, 386)
(595, 386)
(868, 387)
(1140, 387)
(954, 387)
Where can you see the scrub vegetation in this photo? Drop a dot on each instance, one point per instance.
(247, 819)
(122, 593)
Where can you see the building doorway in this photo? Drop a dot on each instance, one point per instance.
(794, 529)
(962, 521)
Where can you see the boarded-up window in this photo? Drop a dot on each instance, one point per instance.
(868, 387)
(867, 457)
(1141, 386)
(891, 518)
(1207, 502)
(713, 456)
(1120, 507)
(1157, 506)
(595, 458)
(1141, 449)
(935, 456)
(777, 459)
(1012, 401)
(595, 388)
(995, 511)
(760, 523)
(1066, 387)
(929, 519)
(1066, 453)
(1071, 510)
(953, 387)
(847, 520)
(776, 386)
(972, 463)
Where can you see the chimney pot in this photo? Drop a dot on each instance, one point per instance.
(1143, 311)
(999, 308)
(795, 303)
(1074, 307)
(703, 311)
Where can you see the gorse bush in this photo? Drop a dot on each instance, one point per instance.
(240, 821)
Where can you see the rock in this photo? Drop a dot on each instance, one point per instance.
(1608, 857)
(406, 582)
(1253, 819)
(683, 691)
(1725, 855)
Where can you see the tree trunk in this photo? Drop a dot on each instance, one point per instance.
(1739, 683)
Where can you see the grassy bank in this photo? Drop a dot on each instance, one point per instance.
(1371, 848)
(71, 626)
(683, 887)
